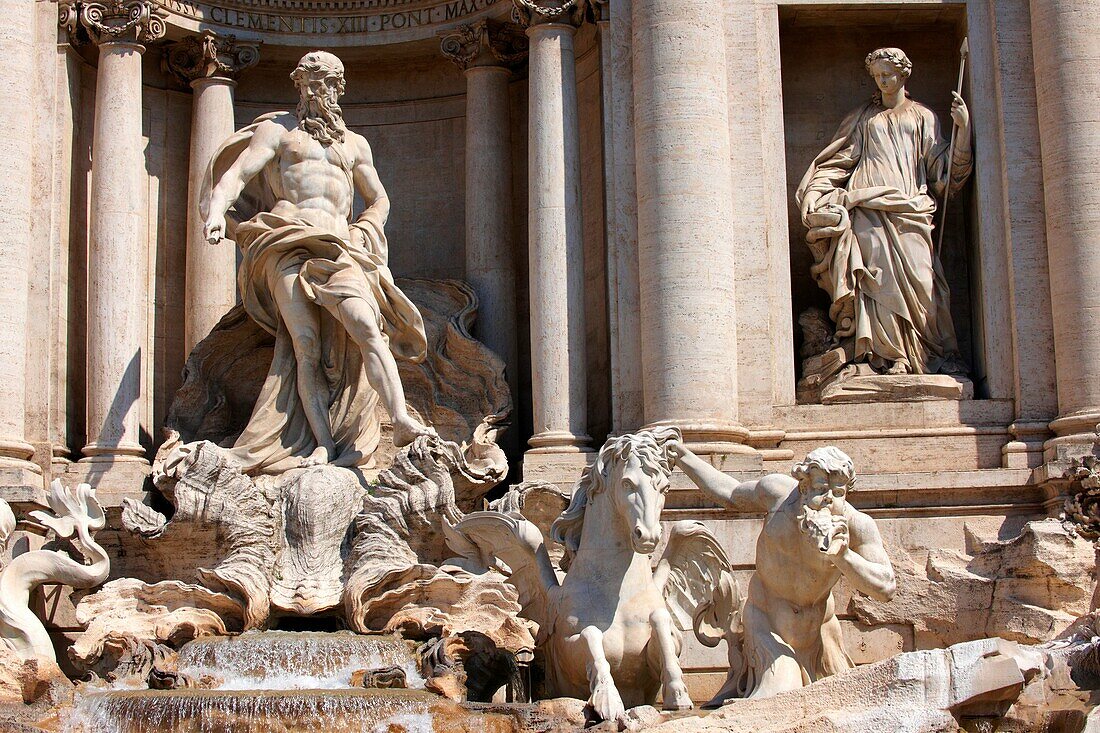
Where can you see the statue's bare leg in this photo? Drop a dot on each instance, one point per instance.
(302, 320)
(360, 319)
(664, 657)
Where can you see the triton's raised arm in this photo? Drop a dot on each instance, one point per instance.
(263, 146)
(760, 495)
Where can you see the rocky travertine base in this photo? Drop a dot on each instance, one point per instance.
(1027, 588)
(916, 692)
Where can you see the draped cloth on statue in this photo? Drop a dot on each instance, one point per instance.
(329, 269)
(886, 283)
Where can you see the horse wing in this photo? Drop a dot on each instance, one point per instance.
(694, 575)
(507, 542)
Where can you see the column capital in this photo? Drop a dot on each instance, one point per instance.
(111, 21)
(209, 55)
(530, 13)
(485, 43)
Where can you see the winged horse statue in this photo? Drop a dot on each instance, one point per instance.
(610, 623)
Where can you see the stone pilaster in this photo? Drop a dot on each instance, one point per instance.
(487, 51)
(620, 213)
(685, 195)
(117, 239)
(20, 479)
(1067, 77)
(210, 65)
(559, 392)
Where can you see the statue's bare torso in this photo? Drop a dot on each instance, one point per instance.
(313, 181)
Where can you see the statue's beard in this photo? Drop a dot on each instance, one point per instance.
(322, 118)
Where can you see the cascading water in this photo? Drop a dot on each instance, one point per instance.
(285, 660)
(282, 682)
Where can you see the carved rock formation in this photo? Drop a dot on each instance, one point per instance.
(914, 692)
(1027, 588)
(129, 611)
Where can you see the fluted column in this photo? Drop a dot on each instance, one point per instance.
(210, 64)
(19, 478)
(1067, 78)
(685, 247)
(117, 235)
(486, 51)
(559, 392)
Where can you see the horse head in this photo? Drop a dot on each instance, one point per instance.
(634, 469)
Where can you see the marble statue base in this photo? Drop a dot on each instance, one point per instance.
(866, 386)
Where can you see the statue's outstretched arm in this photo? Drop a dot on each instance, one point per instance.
(752, 496)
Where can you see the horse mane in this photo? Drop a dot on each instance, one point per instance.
(650, 448)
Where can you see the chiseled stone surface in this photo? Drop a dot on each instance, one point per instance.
(915, 692)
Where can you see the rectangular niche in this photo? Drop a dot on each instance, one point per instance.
(822, 50)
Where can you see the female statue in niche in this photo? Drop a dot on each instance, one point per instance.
(868, 203)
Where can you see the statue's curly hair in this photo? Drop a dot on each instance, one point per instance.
(895, 56)
(829, 459)
(319, 63)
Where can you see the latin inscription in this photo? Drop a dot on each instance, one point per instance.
(327, 24)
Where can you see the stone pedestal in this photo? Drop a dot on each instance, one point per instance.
(19, 477)
(1067, 81)
(685, 250)
(559, 392)
(209, 64)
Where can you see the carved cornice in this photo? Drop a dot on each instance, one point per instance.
(132, 21)
(209, 55)
(485, 43)
(535, 12)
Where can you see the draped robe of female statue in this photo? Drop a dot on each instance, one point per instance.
(879, 267)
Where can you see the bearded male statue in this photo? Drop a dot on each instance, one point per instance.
(786, 625)
(315, 277)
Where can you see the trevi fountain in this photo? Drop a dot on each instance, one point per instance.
(504, 366)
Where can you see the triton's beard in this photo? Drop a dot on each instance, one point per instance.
(321, 118)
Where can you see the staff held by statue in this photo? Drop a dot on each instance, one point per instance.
(964, 51)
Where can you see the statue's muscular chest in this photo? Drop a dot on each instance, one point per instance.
(306, 166)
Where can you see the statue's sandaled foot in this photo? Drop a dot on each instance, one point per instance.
(406, 430)
(320, 456)
(901, 366)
